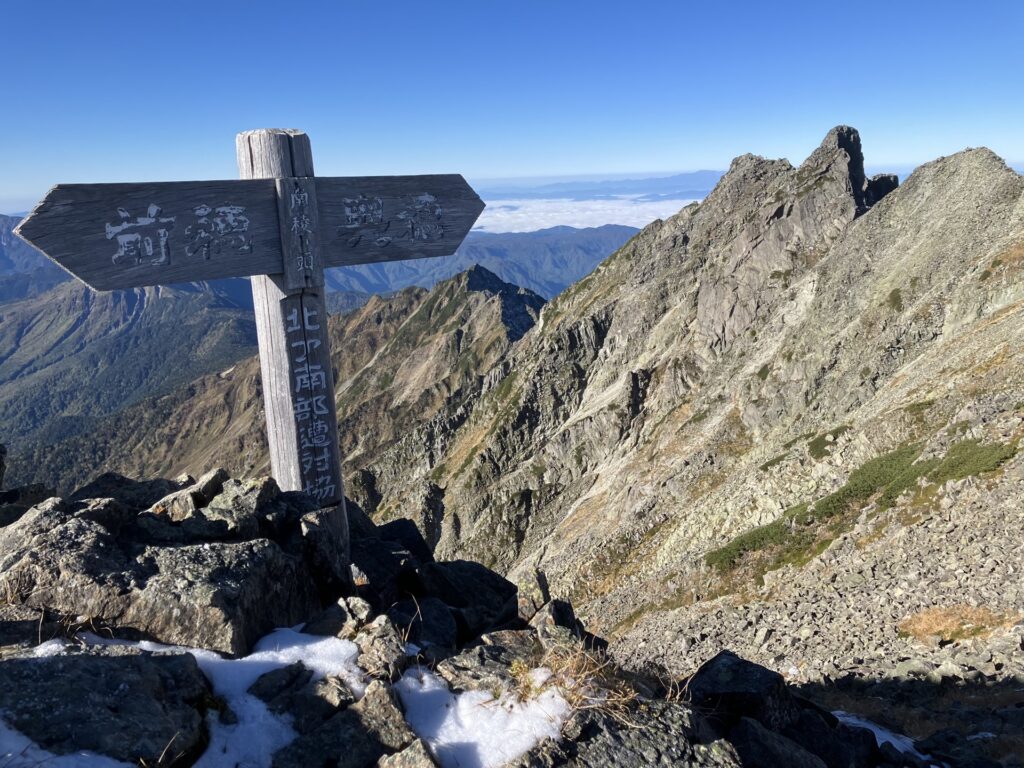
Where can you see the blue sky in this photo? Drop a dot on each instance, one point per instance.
(128, 91)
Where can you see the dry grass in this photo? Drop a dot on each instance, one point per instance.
(587, 680)
(957, 622)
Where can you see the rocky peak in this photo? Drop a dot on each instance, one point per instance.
(842, 151)
(478, 278)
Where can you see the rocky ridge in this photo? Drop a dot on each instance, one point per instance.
(809, 374)
(398, 359)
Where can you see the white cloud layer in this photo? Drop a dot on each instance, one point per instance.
(530, 215)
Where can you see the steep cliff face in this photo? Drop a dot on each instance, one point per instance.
(741, 358)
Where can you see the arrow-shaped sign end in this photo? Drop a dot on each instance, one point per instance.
(26, 228)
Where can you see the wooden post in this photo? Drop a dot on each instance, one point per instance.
(281, 226)
(291, 324)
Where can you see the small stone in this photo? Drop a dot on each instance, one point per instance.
(334, 621)
(381, 649)
(415, 755)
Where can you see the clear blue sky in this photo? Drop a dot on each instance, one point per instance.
(105, 91)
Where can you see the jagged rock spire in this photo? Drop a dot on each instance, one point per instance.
(844, 141)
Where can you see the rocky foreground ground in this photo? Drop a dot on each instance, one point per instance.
(217, 564)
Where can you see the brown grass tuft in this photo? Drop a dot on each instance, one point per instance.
(957, 622)
(587, 680)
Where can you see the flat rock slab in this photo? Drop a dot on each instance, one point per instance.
(116, 701)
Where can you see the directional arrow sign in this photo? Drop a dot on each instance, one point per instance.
(280, 225)
(125, 235)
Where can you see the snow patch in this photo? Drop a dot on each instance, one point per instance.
(258, 733)
(18, 751)
(904, 744)
(473, 729)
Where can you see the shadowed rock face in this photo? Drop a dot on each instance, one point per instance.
(118, 702)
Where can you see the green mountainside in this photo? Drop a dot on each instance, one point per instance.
(72, 355)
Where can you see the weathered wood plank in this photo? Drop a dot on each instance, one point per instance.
(291, 324)
(387, 218)
(126, 235)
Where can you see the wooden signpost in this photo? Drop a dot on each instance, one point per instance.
(280, 225)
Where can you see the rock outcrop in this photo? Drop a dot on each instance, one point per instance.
(197, 563)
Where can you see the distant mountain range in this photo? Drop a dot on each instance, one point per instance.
(546, 261)
(73, 354)
(17, 256)
(692, 185)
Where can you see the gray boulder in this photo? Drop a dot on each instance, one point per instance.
(657, 733)
(415, 755)
(356, 737)
(480, 600)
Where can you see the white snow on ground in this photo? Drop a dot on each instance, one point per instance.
(473, 729)
(17, 751)
(467, 730)
(904, 744)
(259, 733)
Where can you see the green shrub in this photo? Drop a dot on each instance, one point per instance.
(762, 374)
(800, 532)
(819, 446)
(919, 408)
(797, 439)
(969, 457)
(698, 417)
(806, 530)
(773, 462)
(726, 558)
(895, 300)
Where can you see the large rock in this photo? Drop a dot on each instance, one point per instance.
(658, 733)
(753, 707)
(480, 599)
(729, 688)
(94, 560)
(290, 691)
(17, 501)
(116, 701)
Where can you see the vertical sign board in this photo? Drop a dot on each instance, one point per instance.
(281, 226)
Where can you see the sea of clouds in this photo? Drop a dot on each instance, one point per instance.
(531, 214)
